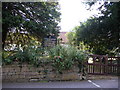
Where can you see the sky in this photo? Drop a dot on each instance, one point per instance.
(72, 13)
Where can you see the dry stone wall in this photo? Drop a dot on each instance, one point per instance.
(28, 73)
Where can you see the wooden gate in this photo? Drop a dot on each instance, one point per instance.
(103, 65)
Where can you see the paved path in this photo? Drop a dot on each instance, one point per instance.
(68, 84)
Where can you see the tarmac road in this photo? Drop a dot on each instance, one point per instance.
(65, 84)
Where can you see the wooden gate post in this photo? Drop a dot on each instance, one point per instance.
(94, 65)
(106, 64)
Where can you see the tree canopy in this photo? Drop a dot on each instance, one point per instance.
(37, 19)
(71, 37)
(102, 33)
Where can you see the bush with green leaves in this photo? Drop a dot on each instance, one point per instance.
(29, 55)
(64, 57)
(7, 57)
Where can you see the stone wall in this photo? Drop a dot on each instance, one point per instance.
(13, 73)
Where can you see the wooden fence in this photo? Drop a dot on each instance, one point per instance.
(103, 65)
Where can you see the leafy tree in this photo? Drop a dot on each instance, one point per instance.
(20, 40)
(70, 37)
(102, 33)
(34, 18)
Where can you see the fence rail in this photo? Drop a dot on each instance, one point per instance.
(103, 65)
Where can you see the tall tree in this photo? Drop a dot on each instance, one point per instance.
(102, 33)
(36, 18)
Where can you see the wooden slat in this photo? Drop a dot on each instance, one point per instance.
(104, 67)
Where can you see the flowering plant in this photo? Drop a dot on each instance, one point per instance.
(64, 57)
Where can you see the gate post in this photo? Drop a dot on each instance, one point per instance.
(94, 64)
(106, 64)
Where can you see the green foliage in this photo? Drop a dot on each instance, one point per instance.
(101, 33)
(37, 19)
(7, 61)
(65, 56)
(20, 40)
(71, 38)
(7, 57)
(28, 55)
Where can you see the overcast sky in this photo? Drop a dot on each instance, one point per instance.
(73, 12)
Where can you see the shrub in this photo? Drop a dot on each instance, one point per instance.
(7, 57)
(64, 57)
(29, 55)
